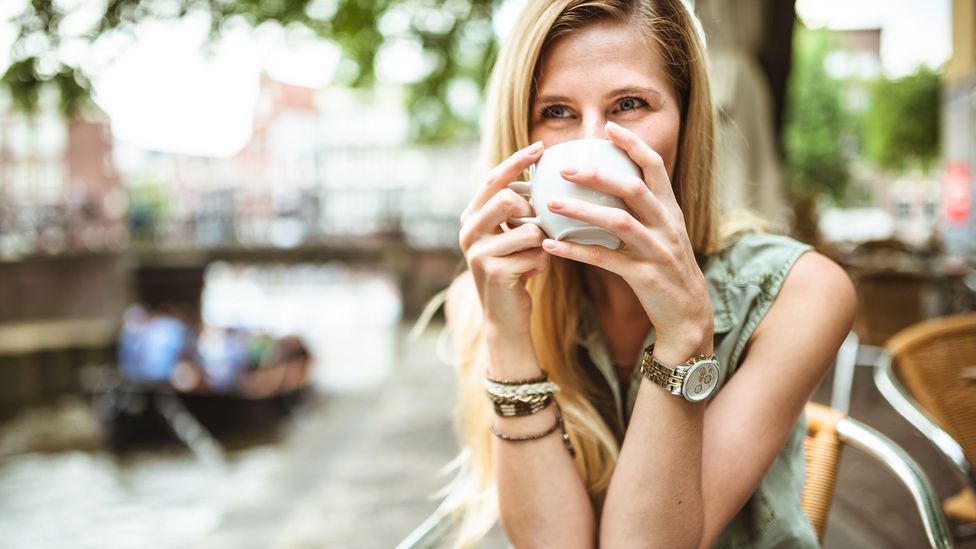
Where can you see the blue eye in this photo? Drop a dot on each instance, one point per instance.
(555, 111)
(630, 103)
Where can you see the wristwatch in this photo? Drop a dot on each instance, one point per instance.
(695, 379)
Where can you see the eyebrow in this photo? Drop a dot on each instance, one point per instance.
(629, 90)
(632, 90)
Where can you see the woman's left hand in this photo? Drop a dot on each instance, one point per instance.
(656, 258)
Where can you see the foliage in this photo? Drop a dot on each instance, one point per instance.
(815, 120)
(456, 37)
(901, 128)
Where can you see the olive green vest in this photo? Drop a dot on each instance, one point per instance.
(743, 280)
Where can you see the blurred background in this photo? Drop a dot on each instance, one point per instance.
(219, 221)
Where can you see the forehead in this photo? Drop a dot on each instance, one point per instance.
(603, 54)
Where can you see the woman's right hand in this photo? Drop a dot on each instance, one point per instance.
(501, 260)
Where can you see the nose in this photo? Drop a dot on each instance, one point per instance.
(593, 125)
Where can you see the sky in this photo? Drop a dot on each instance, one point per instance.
(162, 94)
(913, 32)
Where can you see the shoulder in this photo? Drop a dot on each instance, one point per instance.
(817, 295)
(817, 283)
(745, 277)
(754, 257)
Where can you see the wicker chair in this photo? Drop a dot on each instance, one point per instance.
(828, 431)
(928, 374)
(888, 301)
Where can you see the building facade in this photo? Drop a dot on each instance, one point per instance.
(959, 131)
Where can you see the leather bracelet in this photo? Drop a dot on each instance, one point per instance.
(527, 437)
(558, 425)
(543, 377)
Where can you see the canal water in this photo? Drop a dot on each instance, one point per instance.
(59, 488)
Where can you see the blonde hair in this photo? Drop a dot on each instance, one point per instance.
(671, 29)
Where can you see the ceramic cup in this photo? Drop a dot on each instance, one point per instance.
(546, 183)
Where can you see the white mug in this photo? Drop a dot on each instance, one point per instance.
(546, 183)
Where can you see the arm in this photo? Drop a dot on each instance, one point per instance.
(542, 499)
(684, 472)
(743, 429)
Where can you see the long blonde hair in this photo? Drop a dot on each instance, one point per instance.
(670, 28)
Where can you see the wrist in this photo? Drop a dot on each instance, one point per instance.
(510, 355)
(679, 347)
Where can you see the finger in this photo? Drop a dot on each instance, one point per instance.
(596, 255)
(511, 267)
(650, 162)
(629, 188)
(510, 242)
(504, 173)
(617, 221)
(504, 205)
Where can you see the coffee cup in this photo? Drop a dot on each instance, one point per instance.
(545, 182)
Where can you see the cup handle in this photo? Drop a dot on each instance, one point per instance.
(523, 188)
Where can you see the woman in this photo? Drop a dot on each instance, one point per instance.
(638, 466)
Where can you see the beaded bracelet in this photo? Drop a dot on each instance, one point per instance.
(518, 408)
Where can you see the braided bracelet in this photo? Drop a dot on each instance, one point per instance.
(516, 391)
(532, 398)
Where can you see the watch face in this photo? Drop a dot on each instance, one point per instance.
(700, 380)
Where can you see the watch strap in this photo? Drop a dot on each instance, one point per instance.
(672, 379)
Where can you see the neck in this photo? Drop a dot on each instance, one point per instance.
(611, 295)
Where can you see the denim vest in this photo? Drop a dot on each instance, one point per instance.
(743, 280)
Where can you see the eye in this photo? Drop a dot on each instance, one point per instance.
(630, 103)
(555, 111)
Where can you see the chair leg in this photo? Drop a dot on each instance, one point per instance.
(844, 365)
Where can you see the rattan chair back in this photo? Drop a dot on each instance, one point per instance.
(822, 449)
(888, 302)
(935, 361)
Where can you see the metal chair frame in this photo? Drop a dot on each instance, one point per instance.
(906, 406)
(896, 459)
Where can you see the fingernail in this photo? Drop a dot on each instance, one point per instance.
(549, 244)
(555, 204)
(570, 171)
(613, 125)
(534, 148)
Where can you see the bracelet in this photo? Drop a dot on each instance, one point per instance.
(517, 391)
(543, 377)
(558, 425)
(532, 398)
(518, 408)
(525, 438)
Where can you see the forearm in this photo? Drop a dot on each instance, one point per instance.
(655, 495)
(542, 500)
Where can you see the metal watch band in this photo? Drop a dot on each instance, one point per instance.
(672, 379)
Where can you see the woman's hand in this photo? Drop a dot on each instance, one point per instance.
(656, 258)
(501, 260)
